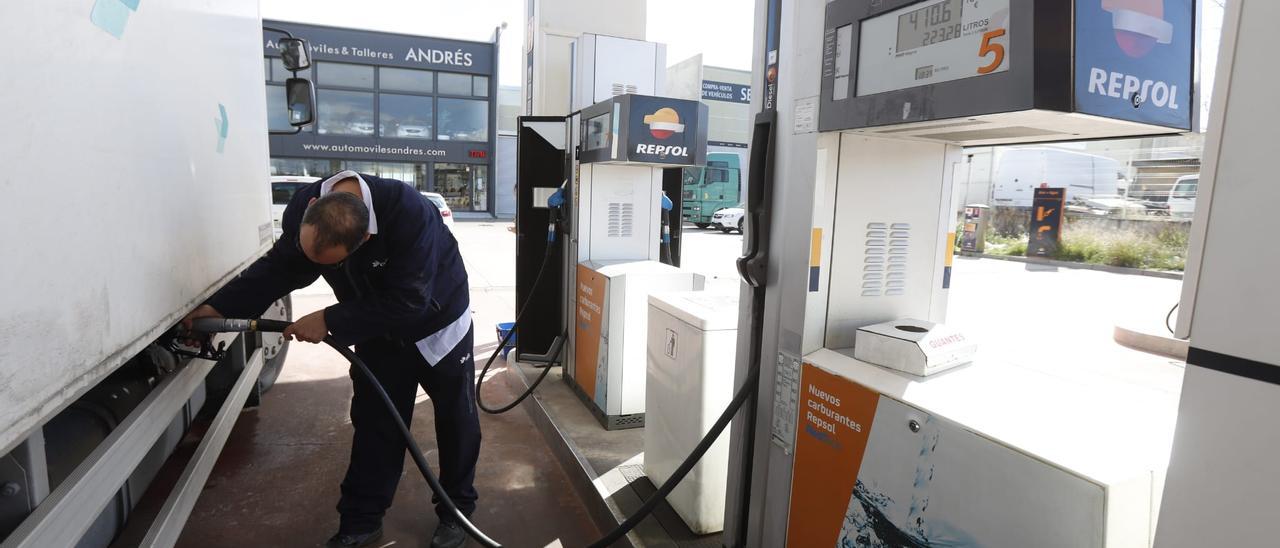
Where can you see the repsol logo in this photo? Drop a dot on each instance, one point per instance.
(1124, 86)
(662, 150)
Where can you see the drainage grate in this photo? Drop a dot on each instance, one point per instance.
(619, 422)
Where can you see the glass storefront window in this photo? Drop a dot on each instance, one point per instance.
(404, 116)
(414, 175)
(344, 75)
(278, 72)
(465, 187)
(275, 71)
(454, 84)
(345, 112)
(308, 167)
(480, 86)
(463, 120)
(398, 79)
(411, 174)
(480, 188)
(277, 109)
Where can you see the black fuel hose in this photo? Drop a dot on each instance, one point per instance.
(414, 450)
(211, 325)
(542, 270)
(744, 392)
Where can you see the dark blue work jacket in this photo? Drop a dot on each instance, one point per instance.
(406, 282)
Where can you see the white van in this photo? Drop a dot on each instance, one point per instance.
(1182, 197)
(282, 189)
(1019, 171)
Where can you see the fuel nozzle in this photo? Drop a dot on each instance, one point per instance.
(227, 325)
(555, 205)
(197, 342)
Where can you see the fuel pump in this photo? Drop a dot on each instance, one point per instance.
(876, 423)
(614, 256)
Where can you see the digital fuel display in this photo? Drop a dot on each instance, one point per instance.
(929, 25)
(925, 43)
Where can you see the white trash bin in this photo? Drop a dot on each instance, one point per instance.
(691, 349)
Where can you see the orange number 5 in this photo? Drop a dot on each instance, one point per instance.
(987, 48)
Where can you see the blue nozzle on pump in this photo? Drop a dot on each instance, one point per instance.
(667, 204)
(556, 203)
(557, 198)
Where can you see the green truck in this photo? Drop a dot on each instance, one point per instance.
(707, 189)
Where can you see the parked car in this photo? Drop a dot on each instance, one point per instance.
(415, 132)
(445, 212)
(729, 219)
(1182, 197)
(282, 189)
(1110, 206)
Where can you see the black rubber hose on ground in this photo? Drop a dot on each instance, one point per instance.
(414, 450)
(546, 261)
(744, 392)
(211, 325)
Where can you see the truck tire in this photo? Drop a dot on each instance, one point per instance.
(702, 225)
(274, 346)
(740, 227)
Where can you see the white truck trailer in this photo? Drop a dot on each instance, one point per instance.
(1008, 176)
(134, 183)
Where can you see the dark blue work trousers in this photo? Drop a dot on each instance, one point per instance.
(378, 450)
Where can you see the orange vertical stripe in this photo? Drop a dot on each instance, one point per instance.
(951, 247)
(815, 248)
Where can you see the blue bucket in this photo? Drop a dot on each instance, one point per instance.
(504, 328)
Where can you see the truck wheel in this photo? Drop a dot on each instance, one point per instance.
(702, 225)
(274, 346)
(740, 227)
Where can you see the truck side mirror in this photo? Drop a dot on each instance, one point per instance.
(293, 52)
(301, 98)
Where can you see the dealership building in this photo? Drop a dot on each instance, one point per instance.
(419, 109)
(727, 94)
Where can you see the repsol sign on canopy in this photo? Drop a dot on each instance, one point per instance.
(642, 129)
(387, 49)
(1134, 60)
(662, 130)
